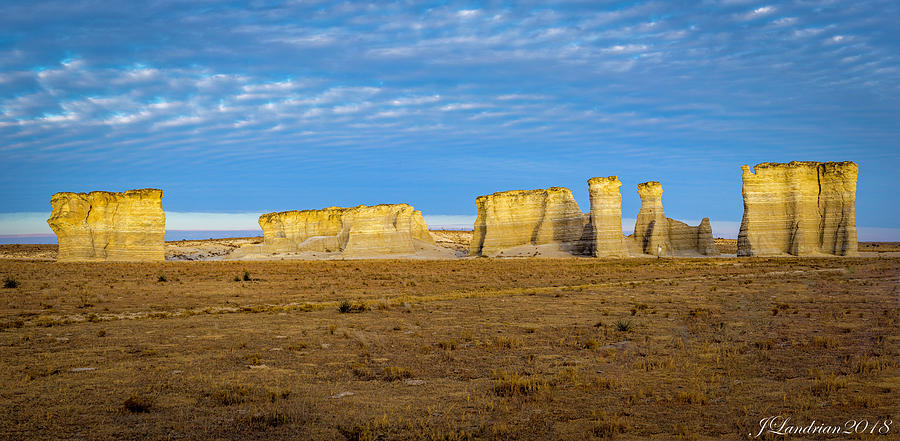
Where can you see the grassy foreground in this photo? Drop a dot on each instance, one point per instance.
(444, 350)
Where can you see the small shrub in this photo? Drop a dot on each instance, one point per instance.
(508, 342)
(84, 301)
(357, 432)
(138, 404)
(253, 359)
(13, 324)
(297, 346)
(867, 365)
(362, 371)
(506, 385)
(9, 282)
(230, 394)
(447, 345)
(162, 278)
(278, 394)
(347, 306)
(44, 321)
(264, 419)
(824, 342)
(764, 345)
(392, 373)
(247, 276)
(623, 325)
(237, 278)
(607, 426)
(827, 385)
(691, 397)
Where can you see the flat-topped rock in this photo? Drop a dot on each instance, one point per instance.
(362, 231)
(657, 235)
(512, 219)
(605, 230)
(100, 225)
(801, 208)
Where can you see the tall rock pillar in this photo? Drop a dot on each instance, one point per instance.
(606, 217)
(651, 228)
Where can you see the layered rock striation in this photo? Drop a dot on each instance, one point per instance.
(362, 231)
(527, 218)
(605, 229)
(104, 226)
(657, 235)
(800, 208)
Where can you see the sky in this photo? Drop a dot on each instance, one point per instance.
(240, 108)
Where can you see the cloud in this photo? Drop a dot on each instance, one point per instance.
(415, 100)
(758, 12)
(808, 32)
(463, 106)
(625, 48)
(785, 21)
(208, 90)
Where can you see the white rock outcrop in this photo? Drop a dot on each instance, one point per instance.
(605, 231)
(362, 231)
(106, 226)
(657, 235)
(516, 221)
(799, 209)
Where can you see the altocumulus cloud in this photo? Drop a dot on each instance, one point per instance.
(234, 105)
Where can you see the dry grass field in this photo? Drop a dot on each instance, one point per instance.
(448, 350)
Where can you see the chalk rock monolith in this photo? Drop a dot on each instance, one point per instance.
(657, 235)
(606, 238)
(362, 231)
(100, 225)
(515, 221)
(800, 208)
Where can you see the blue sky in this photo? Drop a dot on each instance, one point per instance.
(248, 107)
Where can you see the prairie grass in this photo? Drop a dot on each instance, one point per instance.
(470, 349)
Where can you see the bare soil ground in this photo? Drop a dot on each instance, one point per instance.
(443, 350)
(726, 246)
(208, 249)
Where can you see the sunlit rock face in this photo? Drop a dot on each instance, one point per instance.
(104, 226)
(520, 218)
(657, 235)
(799, 208)
(361, 231)
(605, 232)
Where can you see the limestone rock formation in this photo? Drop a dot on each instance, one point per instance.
(651, 229)
(799, 208)
(605, 232)
(526, 218)
(100, 225)
(657, 235)
(362, 231)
